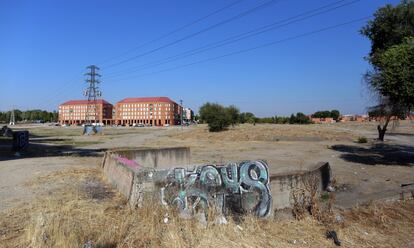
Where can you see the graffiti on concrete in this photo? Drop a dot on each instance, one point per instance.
(234, 188)
(128, 162)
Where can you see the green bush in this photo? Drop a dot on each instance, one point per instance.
(362, 139)
(216, 116)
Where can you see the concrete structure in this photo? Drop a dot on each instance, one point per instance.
(121, 166)
(134, 172)
(154, 111)
(188, 114)
(74, 112)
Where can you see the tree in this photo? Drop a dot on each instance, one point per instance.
(392, 55)
(233, 113)
(215, 115)
(246, 117)
(301, 118)
(322, 114)
(292, 119)
(335, 114)
(391, 25)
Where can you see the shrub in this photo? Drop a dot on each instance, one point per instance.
(216, 116)
(362, 139)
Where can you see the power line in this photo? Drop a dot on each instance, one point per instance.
(247, 12)
(63, 90)
(266, 28)
(175, 30)
(257, 47)
(60, 92)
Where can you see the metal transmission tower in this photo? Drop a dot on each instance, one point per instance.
(181, 113)
(92, 92)
(12, 118)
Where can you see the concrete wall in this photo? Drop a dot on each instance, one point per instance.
(130, 182)
(122, 176)
(282, 185)
(159, 158)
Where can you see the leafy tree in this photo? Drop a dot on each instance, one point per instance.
(335, 114)
(282, 120)
(301, 118)
(292, 119)
(246, 117)
(391, 25)
(29, 115)
(234, 114)
(322, 114)
(327, 114)
(216, 116)
(392, 54)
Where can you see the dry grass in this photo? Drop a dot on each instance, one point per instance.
(270, 132)
(83, 208)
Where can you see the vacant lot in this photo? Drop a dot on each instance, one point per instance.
(54, 192)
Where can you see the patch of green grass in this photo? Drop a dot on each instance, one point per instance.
(325, 196)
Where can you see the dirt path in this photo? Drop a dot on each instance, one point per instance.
(15, 174)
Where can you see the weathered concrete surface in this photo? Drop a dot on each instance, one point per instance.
(159, 158)
(121, 175)
(130, 180)
(283, 184)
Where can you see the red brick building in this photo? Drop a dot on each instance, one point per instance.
(74, 112)
(322, 120)
(155, 111)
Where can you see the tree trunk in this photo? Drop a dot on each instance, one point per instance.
(383, 129)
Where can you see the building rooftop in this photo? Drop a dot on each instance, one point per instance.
(75, 102)
(146, 99)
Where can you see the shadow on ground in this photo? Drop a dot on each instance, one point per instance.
(400, 134)
(46, 150)
(385, 154)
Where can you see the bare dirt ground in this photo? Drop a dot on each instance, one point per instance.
(364, 172)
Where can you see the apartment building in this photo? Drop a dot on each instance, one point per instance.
(155, 111)
(188, 114)
(74, 112)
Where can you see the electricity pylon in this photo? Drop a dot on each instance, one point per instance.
(12, 118)
(92, 92)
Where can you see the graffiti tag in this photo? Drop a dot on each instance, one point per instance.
(230, 189)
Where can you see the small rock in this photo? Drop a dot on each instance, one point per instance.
(339, 218)
(165, 220)
(293, 241)
(330, 188)
(88, 244)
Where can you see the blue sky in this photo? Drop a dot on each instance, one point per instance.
(46, 45)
